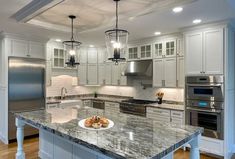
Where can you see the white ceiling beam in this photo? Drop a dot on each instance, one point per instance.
(33, 9)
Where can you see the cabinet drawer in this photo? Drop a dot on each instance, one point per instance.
(177, 114)
(111, 104)
(156, 117)
(158, 111)
(178, 121)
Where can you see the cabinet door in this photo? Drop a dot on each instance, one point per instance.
(180, 72)
(213, 51)
(145, 51)
(92, 77)
(133, 53)
(158, 50)
(115, 74)
(19, 48)
(180, 47)
(194, 53)
(170, 72)
(101, 55)
(48, 73)
(101, 74)
(108, 73)
(92, 56)
(123, 79)
(158, 72)
(82, 74)
(83, 55)
(37, 50)
(170, 48)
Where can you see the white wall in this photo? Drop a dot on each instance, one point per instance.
(136, 91)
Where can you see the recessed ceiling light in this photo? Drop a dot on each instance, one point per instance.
(197, 21)
(157, 33)
(58, 40)
(177, 9)
(91, 45)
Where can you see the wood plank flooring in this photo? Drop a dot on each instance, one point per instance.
(31, 151)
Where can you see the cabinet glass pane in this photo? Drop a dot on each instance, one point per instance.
(172, 44)
(61, 63)
(56, 53)
(142, 54)
(148, 47)
(142, 48)
(148, 54)
(62, 53)
(135, 50)
(56, 62)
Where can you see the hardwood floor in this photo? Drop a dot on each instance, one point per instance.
(31, 150)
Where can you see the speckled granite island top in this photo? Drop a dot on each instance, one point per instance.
(130, 137)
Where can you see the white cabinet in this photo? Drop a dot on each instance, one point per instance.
(213, 51)
(180, 72)
(82, 74)
(204, 52)
(164, 72)
(92, 76)
(123, 79)
(58, 58)
(194, 53)
(115, 74)
(165, 48)
(92, 56)
(112, 107)
(170, 72)
(158, 72)
(108, 73)
(213, 146)
(162, 115)
(83, 55)
(19, 48)
(166, 115)
(133, 53)
(102, 55)
(146, 51)
(23, 48)
(101, 74)
(37, 50)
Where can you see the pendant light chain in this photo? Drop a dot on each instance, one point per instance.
(117, 21)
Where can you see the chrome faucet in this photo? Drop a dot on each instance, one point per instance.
(63, 92)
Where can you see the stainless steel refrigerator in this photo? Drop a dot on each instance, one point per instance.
(26, 90)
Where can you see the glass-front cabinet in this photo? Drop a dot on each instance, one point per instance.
(165, 48)
(145, 51)
(170, 48)
(133, 53)
(58, 58)
(158, 50)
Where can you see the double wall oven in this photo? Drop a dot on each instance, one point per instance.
(205, 104)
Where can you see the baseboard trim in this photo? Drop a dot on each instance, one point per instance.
(3, 139)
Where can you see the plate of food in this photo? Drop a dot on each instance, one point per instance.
(96, 123)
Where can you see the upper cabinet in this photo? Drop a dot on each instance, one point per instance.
(165, 48)
(146, 51)
(204, 52)
(23, 48)
(133, 53)
(92, 55)
(140, 52)
(58, 58)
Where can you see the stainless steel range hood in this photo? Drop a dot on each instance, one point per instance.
(139, 68)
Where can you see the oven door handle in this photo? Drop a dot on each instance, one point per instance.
(205, 85)
(202, 110)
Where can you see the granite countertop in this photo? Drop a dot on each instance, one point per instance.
(131, 137)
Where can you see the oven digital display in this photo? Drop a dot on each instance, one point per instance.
(202, 104)
(202, 91)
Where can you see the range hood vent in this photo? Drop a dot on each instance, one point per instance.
(139, 68)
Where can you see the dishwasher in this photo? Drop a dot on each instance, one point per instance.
(98, 104)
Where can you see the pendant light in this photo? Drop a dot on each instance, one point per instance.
(71, 46)
(116, 40)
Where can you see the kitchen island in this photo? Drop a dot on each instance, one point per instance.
(131, 136)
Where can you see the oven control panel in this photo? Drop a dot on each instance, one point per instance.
(204, 104)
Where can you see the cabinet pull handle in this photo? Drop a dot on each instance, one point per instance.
(177, 83)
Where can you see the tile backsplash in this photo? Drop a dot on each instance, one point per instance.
(136, 91)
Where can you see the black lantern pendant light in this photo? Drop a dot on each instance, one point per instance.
(116, 40)
(72, 46)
